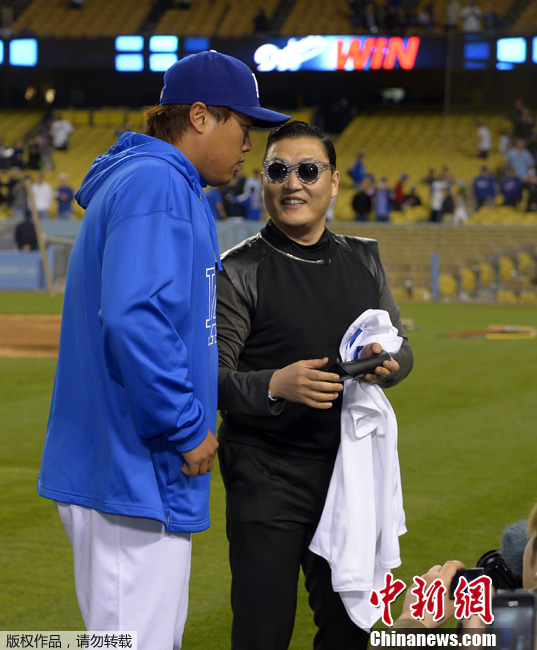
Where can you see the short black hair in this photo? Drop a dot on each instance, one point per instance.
(298, 129)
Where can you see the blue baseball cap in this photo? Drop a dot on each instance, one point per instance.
(217, 80)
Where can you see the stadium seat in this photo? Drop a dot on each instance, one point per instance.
(54, 18)
(528, 297)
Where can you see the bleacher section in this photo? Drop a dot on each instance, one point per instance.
(317, 17)
(218, 18)
(16, 124)
(224, 19)
(484, 262)
(500, 7)
(527, 20)
(54, 18)
(400, 140)
(491, 257)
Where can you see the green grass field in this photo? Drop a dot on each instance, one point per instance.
(466, 438)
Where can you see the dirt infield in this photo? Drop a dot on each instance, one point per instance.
(29, 335)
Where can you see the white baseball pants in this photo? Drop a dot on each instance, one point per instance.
(130, 574)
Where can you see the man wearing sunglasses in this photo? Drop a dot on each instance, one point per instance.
(285, 299)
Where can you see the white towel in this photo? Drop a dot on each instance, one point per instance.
(363, 516)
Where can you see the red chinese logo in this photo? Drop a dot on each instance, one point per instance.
(470, 599)
(386, 596)
(430, 600)
(474, 599)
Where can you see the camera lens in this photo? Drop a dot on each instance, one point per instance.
(497, 569)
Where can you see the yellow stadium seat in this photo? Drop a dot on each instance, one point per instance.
(447, 285)
(505, 296)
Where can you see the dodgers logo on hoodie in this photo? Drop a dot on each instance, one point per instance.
(210, 323)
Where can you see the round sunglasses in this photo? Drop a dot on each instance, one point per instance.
(308, 171)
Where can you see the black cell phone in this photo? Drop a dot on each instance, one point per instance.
(469, 574)
(359, 367)
(514, 619)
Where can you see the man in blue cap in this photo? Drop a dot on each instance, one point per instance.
(129, 445)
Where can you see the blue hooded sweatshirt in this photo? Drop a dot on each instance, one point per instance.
(136, 380)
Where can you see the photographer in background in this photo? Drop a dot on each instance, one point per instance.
(448, 570)
(529, 560)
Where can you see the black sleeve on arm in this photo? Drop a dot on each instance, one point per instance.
(404, 357)
(368, 251)
(239, 392)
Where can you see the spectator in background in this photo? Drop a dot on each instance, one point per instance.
(5, 154)
(519, 158)
(429, 177)
(7, 18)
(382, 200)
(472, 18)
(362, 202)
(358, 172)
(60, 132)
(511, 188)
(370, 18)
(412, 199)
(42, 194)
(453, 10)
(531, 145)
(46, 149)
(252, 203)
(448, 204)
(17, 157)
(484, 140)
(491, 21)
(253, 183)
(64, 195)
(515, 114)
(526, 124)
(399, 192)
(18, 194)
(484, 188)
(428, 18)
(9, 184)
(25, 236)
(390, 20)
(356, 8)
(531, 185)
(251, 196)
(216, 202)
(448, 176)
(460, 214)
(233, 206)
(437, 196)
(34, 155)
(261, 22)
(505, 141)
